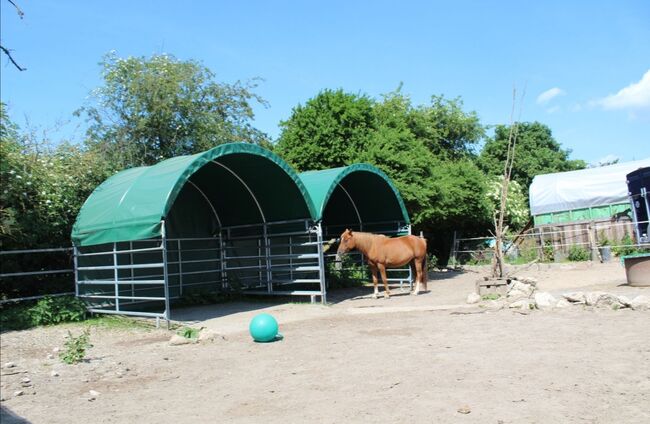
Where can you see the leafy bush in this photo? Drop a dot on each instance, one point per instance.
(432, 262)
(549, 252)
(625, 246)
(350, 274)
(75, 347)
(47, 311)
(15, 317)
(54, 310)
(578, 254)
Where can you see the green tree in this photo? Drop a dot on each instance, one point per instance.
(393, 148)
(429, 161)
(516, 213)
(43, 187)
(150, 109)
(536, 152)
(328, 131)
(445, 128)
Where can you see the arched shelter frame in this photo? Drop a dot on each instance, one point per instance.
(222, 219)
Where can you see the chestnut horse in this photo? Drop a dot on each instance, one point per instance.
(384, 252)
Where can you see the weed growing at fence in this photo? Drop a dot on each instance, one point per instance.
(55, 310)
(549, 251)
(578, 254)
(625, 246)
(188, 333)
(47, 311)
(74, 350)
(346, 273)
(491, 296)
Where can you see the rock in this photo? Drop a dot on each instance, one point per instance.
(494, 305)
(56, 350)
(528, 280)
(464, 410)
(517, 286)
(576, 297)
(177, 340)
(601, 299)
(624, 301)
(93, 393)
(9, 365)
(208, 336)
(473, 298)
(591, 298)
(562, 303)
(544, 300)
(50, 356)
(517, 294)
(525, 304)
(54, 373)
(25, 380)
(640, 303)
(19, 393)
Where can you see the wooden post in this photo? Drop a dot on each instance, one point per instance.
(595, 254)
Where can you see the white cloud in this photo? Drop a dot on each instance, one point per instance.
(549, 94)
(634, 96)
(553, 109)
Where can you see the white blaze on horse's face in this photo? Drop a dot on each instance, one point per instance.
(347, 242)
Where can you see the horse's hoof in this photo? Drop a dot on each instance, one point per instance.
(374, 296)
(414, 293)
(387, 296)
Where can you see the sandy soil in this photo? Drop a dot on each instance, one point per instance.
(405, 359)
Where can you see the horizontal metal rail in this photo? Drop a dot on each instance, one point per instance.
(124, 282)
(20, 299)
(102, 296)
(113, 267)
(120, 252)
(16, 252)
(22, 274)
(132, 313)
(286, 292)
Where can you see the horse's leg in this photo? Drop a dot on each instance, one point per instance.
(419, 275)
(384, 278)
(373, 269)
(425, 273)
(414, 276)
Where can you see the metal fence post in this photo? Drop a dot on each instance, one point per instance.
(321, 263)
(267, 254)
(116, 278)
(165, 272)
(76, 276)
(180, 268)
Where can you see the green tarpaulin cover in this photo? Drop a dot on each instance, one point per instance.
(338, 194)
(232, 184)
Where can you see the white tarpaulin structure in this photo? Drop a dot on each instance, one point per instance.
(585, 188)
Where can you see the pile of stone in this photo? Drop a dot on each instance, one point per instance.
(522, 293)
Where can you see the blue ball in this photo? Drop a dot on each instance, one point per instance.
(263, 328)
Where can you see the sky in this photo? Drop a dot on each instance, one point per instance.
(583, 66)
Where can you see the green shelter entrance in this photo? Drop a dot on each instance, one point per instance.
(236, 217)
(362, 198)
(233, 218)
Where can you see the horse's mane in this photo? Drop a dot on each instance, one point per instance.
(363, 239)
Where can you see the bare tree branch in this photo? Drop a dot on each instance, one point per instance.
(21, 14)
(8, 53)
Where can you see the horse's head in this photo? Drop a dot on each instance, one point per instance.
(346, 243)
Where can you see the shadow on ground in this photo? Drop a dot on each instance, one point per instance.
(8, 417)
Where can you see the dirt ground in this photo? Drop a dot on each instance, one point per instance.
(427, 358)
